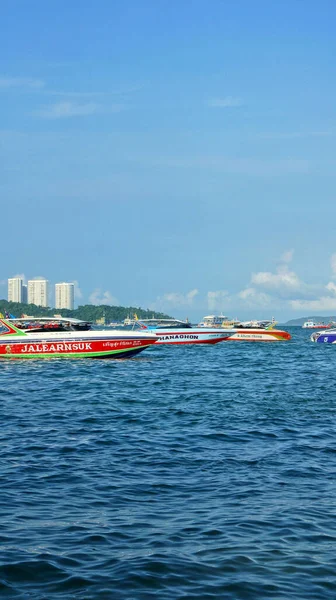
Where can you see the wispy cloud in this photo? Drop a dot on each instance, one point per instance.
(289, 135)
(63, 110)
(217, 300)
(287, 256)
(98, 297)
(78, 291)
(20, 82)
(76, 93)
(254, 298)
(255, 167)
(285, 283)
(225, 102)
(176, 300)
(324, 303)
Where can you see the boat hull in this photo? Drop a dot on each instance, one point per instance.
(316, 327)
(256, 335)
(74, 347)
(189, 336)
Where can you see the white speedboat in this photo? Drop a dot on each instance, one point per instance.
(67, 338)
(174, 331)
(248, 331)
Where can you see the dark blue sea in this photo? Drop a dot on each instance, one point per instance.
(183, 473)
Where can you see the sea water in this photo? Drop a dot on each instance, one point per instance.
(192, 472)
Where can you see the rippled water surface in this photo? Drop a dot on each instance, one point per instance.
(186, 472)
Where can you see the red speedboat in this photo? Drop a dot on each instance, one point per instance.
(67, 338)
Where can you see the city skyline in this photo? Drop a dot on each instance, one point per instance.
(37, 291)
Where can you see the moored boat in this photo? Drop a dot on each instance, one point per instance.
(255, 334)
(313, 325)
(174, 331)
(247, 331)
(326, 336)
(67, 338)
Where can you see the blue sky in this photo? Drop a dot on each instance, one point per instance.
(176, 155)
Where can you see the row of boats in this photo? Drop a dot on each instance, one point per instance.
(58, 337)
(45, 337)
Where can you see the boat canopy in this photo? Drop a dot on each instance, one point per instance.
(158, 323)
(40, 324)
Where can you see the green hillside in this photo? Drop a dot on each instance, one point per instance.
(88, 312)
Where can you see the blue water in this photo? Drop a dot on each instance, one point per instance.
(186, 472)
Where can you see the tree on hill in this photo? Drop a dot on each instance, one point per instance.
(88, 312)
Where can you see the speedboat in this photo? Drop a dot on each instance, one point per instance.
(174, 331)
(67, 338)
(248, 331)
(255, 334)
(326, 336)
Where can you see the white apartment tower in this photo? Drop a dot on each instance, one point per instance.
(38, 292)
(65, 295)
(15, 285)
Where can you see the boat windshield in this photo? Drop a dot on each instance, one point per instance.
(162, 324)
(4, 329)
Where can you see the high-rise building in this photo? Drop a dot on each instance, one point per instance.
(38, 292)
(24, 299)
(65, 295)
(15, 285)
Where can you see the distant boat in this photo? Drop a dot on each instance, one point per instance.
(313, 325)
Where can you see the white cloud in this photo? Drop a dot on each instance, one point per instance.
(324, 303)
(98, 297)
(217, 300)
(287, 256)
(282, 280)
(174, 300)
(178, 299)
(20, 82)
(226, 102)
(63, 110)
(253, 298)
